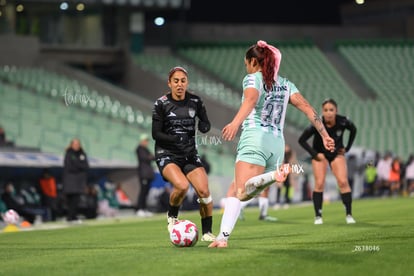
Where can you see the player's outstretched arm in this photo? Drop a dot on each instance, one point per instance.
(303, 105)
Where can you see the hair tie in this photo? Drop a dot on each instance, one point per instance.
(262, 44)
(276, 54)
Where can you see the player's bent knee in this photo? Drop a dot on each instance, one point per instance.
(205, 200)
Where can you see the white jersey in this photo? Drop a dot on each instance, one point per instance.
(270, 110)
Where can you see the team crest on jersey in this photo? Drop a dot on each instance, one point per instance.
(339, 132)
(191, 112)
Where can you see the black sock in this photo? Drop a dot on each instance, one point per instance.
(347, 201)
(317, 198)
(207, 224)
(173, 210)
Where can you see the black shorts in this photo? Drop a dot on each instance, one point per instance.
(186, 164)
(329, 156)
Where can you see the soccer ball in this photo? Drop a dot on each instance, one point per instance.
(184, 233)
(11, 217)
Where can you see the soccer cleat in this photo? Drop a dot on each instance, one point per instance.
(218, 244)
(171, 221)
(257, 184)
(318, 220)
(267, 218)
(208, 237)
(349, 219)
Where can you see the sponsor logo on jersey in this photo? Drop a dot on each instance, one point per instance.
(191, 112)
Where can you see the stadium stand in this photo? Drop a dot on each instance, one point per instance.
(45, 110)
(387, 68)
(158, 64)
(41, 112)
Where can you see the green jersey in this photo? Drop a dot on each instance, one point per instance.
(270, 110)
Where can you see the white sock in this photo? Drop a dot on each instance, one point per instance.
(263, 206)
(229, 218)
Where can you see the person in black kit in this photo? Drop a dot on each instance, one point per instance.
(336, 125)
(75, 176)
(146, 175)
(173, 129)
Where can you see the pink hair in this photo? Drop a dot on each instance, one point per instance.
(276, 53)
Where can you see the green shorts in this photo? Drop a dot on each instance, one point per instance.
(261, 148)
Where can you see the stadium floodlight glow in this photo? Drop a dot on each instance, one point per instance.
(64, 6)
(159, 21)
(80, 7)
(19, 8)
(360, 2)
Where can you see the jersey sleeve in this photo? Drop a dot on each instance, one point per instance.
(353, 130)
(252, 81)
(204, 123)
(303, 140)
(158, 123)
(292, 88)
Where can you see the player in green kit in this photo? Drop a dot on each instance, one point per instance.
(260, 151)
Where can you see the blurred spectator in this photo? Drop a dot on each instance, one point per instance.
(31, 197)
(146, 175)
(88, 203)
(3, 141)
(352, 166)
(123, 200)
(306, 188)
(75, 176)
(48, 188)
(370, 177)
(288, 159)
(13, 201)
(409, 175)
(107, 203)
(383, 173)
(2, 136)
(395, 177)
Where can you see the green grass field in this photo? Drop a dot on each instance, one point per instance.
(380, 243)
